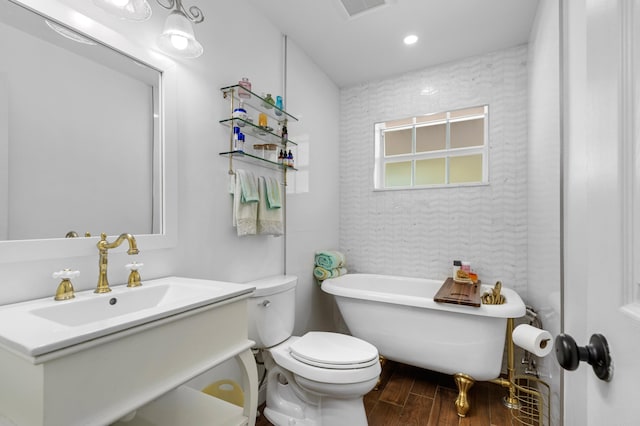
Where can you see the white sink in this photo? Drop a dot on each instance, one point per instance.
(113, 353)
(41, 326)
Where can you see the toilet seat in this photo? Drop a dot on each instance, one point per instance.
(334, 351)
(348, 373)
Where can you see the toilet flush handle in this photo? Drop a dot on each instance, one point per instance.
(265, 303)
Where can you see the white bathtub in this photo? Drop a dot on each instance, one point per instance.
(399, 317)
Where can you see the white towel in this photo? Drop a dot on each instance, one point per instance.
(270, 221)
(245, 215)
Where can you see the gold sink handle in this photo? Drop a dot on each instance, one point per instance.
(65, 288)
(134, 275)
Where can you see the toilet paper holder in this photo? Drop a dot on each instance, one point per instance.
(596, 354)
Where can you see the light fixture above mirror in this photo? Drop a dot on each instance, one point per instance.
(177, 38)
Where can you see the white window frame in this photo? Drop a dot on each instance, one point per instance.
(381, 159)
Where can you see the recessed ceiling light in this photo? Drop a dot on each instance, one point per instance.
(410, 39)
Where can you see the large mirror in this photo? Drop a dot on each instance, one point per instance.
(79, 153)
(80, 133)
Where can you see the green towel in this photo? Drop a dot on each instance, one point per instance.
(248, 186)
(330, 259)
(273, 193)
(270, 221)
(245, 215)
(324, 274)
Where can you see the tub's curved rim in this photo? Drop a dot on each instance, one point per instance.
(514, 308)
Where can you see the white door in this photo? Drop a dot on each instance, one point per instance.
(599, 167)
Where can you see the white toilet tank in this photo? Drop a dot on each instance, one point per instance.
(272, 310)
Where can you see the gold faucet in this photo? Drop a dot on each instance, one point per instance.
(103, 247)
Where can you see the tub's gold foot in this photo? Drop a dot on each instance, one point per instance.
(464, 383)
(383, 360)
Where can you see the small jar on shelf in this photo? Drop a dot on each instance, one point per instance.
(244, 84)
(268, 101)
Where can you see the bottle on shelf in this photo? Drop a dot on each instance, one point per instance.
(244, 84)
(290, 159)
(281, 157)
(268, 101)
(241, 142)
(236, 137)
(278, 105)
(284, 132)
(240, 113)
(262, 119)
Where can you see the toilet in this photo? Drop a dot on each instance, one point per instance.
(312, 380)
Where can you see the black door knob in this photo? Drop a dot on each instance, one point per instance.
(596, 354)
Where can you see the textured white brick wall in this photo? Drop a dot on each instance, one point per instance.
(420, 232)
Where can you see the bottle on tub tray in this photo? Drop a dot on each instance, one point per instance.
(457, 264)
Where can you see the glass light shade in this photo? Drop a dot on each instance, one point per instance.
(178, 39)
(134, 10)
(69, 33)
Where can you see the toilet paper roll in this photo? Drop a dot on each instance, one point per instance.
(538, 342)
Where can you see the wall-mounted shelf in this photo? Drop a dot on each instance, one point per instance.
(254, 105)
(264, 134)
(256, 160)
(256, 102)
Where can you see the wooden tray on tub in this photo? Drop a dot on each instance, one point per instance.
(459, 293)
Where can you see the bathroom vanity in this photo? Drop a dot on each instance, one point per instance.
(97, 358)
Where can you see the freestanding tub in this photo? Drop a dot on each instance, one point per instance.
(399, 316)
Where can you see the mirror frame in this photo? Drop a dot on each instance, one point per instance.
(39, 249)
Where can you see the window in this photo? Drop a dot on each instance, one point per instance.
(448, 148)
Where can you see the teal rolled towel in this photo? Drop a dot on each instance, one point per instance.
(330, 259)
(324, 274)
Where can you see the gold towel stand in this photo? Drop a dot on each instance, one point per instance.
(528, 397)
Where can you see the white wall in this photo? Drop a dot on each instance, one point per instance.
(313, 216)
(207, 245)
(4, 156)
(543, 292)
(420, 232)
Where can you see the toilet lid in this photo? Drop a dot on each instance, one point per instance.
(333, 350)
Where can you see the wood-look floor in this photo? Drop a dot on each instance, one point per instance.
(412, 396)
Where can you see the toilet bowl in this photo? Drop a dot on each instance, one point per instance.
(316, 379)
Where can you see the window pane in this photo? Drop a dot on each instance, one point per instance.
(467, 112)
(397, 123)
(467, 168)
(431, 138)
(430, 172)
(397, 142)
(431, 118)
(397, 174)
(467, 133)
